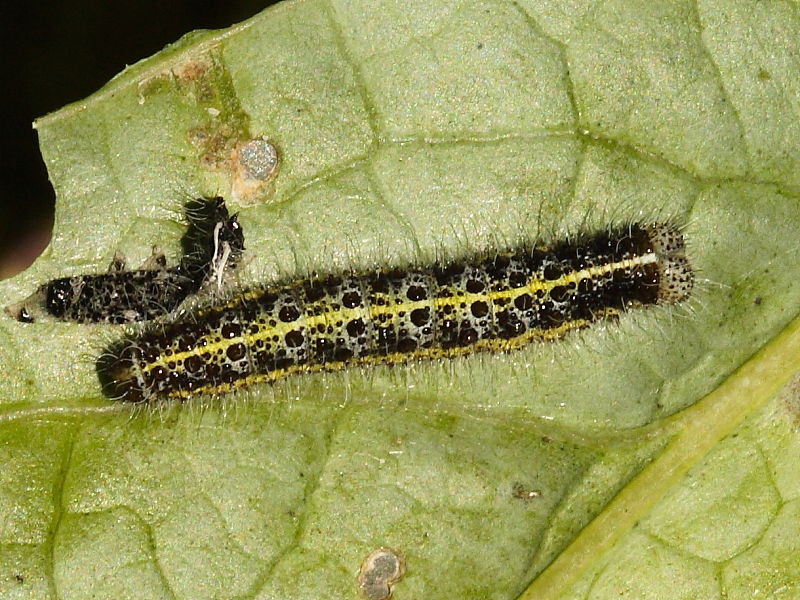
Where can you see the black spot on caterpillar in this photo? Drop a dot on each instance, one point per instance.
(213, 242)
(330, 322)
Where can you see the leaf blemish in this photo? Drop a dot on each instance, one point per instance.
(258, 159)
(254, 166)
(522, 492)
(379, 572)
(221, 134)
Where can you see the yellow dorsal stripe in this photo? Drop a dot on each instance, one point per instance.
(280, 329)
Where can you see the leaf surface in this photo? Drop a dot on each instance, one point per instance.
(649, 458)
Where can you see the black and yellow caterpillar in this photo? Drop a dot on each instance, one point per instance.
(330, 322)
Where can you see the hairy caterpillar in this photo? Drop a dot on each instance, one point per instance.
(329, 322)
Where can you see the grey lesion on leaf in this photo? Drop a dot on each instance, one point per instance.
(257, 159)
(380, 571)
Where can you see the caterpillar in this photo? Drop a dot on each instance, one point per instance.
(330, 322)
(213, 242)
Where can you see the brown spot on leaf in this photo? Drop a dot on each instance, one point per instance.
(522, 492)
(379, 572)
(194, 68)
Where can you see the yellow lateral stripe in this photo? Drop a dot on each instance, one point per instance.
(484, 345)
(347, 314)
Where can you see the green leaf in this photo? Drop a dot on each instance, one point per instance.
(650, 458)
